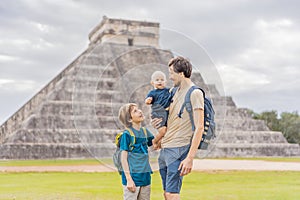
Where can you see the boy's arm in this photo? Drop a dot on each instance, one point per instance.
(130, 184)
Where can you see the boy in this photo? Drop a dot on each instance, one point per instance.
(136, 174)
(160, 98)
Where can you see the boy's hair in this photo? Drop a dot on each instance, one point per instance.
(181, 64)
(124, 114)
(157, 73)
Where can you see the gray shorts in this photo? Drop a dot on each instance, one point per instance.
(160, 112)
(141, 193)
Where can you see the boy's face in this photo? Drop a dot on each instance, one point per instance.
(137, 115)
(159, 82)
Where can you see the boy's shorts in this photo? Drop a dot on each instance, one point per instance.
(141, 193)
(169, 161)
(160, 112)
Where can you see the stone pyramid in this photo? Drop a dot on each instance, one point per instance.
(75, 115)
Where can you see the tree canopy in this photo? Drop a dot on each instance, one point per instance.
(287, 123)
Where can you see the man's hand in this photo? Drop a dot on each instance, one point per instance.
(186, 166)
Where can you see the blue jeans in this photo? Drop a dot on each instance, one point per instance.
(169, 161)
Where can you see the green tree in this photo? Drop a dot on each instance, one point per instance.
(290, 126)
(288, 123)
(271, 119)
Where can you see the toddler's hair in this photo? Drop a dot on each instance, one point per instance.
(156, 73)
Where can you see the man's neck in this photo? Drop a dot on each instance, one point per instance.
(186, 82)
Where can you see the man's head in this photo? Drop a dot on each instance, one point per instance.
(158, 80)
(130, 113)
(179, 69)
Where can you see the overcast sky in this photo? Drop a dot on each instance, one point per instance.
(254, 44)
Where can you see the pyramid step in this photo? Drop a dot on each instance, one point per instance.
(223, 101)
(102, 59)
(70, 108)
(62, 136)
(89, 83)
(69, 122)
(50, 150)
(241, 124)
(212, 91)
(255, 150)
(102, 94)
(232, 113)
(250, 137)
(100, 71)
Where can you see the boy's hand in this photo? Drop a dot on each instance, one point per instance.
(130, 185)
(155, 146)
(148, 101)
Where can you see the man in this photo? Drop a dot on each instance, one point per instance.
(180, 143)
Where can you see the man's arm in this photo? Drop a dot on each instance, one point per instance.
(187, 164)
(130, 184)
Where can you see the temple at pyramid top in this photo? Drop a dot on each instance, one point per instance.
(128, 32)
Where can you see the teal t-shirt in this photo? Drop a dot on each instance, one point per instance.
(138, 158)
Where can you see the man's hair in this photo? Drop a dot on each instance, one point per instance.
(124, 114)
(156, 73)
(181, 64)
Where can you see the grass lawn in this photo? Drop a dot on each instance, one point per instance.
(61, 162)
(217, 185)
(69, 162)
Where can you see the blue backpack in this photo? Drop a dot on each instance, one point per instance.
(209, 114)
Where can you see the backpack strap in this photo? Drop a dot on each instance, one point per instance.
(131, 145)
(173, 90)
(188, 105)
(144, 131)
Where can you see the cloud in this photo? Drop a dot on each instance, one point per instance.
(18, 86)
(7, 58)
(255, 44)
(269, 65)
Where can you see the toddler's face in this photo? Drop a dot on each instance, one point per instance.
(159, 82)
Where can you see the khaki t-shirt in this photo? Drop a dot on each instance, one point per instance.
(179, 130)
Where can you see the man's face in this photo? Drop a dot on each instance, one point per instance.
(175, 77)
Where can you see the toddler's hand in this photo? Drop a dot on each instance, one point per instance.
(148, 101)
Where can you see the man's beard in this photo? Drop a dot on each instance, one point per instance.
(176, 84)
